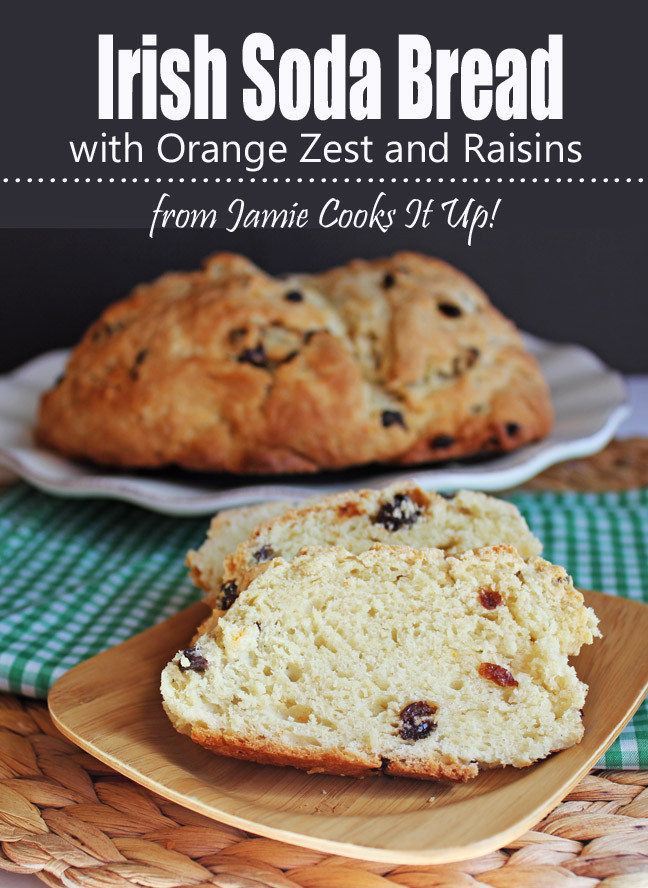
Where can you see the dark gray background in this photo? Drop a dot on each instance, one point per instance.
(585, 285)
(566, 261)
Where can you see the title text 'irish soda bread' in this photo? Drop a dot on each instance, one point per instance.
(399, 514)
(409, 662)
(399, 360)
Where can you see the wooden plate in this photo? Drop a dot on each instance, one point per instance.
(589, 401)
(110, 706)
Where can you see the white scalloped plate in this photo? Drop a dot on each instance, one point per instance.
(589, 401)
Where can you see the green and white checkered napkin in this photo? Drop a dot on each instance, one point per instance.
(77, 576)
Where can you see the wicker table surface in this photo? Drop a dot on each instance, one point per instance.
(74, 822)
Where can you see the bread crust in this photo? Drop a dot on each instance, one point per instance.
(398, 360)
(282, 747)
(331, 761)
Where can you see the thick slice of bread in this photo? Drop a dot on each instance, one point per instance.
(401, 514)
(410, 662)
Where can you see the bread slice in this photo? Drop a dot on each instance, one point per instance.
(357, 519)
(403, 661)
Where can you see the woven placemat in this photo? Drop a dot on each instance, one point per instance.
(622, 465)
(74, 822)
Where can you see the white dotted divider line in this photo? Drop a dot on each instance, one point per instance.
(264, 180)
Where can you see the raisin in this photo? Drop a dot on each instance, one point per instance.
(490, 599)
(402, 512)
(256, 356)
(460, 363)
(228, 594)
(441, 442)
(512, 428)
(140, 357)
(192, 659)
(384, 767)
(499, 674)
(388, 281)
(392, 417)
(417, 720)
(294, 296)
(106, 329)
(449, 309)
(265, 553)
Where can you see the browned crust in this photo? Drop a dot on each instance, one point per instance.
(331, 761)
(217, 524)
(320, 761)
(208, 624)
(344, 763)
(159, 380)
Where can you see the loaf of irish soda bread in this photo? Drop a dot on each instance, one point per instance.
(399, 360)
(356, 519)
(402, 661)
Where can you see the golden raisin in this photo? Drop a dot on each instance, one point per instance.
(499, 674)
(490, 599)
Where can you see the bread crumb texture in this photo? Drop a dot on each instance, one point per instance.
(401, 514)
(393, 660)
